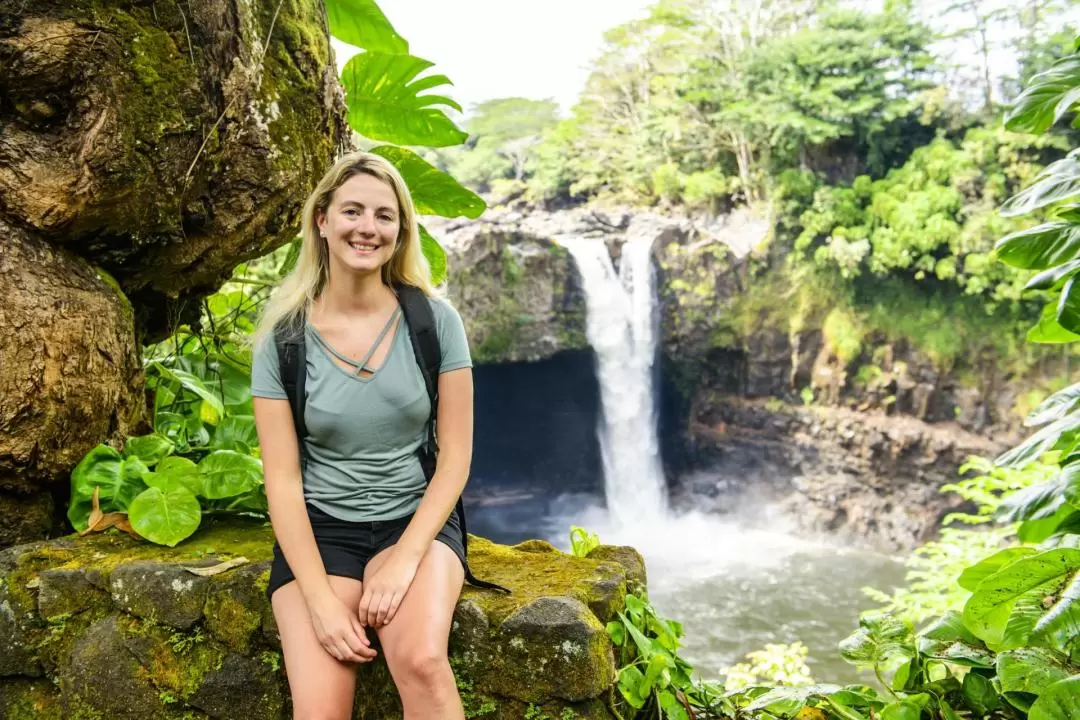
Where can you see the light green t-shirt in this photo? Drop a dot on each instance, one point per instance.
(363, 433)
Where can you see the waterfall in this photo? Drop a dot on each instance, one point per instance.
(621, 327)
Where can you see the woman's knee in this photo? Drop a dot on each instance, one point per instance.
(322, 714)
(425, 667)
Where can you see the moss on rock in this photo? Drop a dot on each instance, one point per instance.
(139, 655)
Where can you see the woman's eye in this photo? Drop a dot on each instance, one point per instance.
(386, 218)
(350, 211)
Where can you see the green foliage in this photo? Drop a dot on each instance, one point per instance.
(362, 23)
(582, 542)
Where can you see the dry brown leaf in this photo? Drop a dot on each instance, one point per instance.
(100, 522)
(219, 568)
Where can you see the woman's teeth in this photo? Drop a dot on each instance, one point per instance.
(363, 247)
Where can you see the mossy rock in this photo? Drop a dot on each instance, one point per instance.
(125, 629)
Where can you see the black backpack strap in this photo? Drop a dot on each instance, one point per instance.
(425, 341)
(292, 364)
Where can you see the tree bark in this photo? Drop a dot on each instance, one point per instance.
(164, 141)
(158, 143)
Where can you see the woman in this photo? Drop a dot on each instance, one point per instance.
(363, 540)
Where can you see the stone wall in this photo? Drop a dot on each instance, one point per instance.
(109, 627)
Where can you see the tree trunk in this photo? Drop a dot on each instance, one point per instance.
(158, 143)
(164, 141)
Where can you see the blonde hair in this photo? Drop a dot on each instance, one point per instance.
(408, 266)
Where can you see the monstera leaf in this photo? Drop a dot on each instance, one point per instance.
(362, 23)
(1059, 181)
(383, 95)
(433, 191)
(1041, 247)
(1047, 98)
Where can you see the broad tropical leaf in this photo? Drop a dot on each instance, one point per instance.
(1047, 97)
(1025, 673)
(1006, 607)
(975, 574)
(151, 449)
(383, 95)
(1054, 407)
(1068, 309)
(117, 478)
(1052, 276)
(1039, 501)
(787, 701)
(362, 23)
(435, 255)
(1048, 331)
(1059, 181)
(433, 191)
(1060, 701)
(165, 518)
(1038, 443)
(192, 383)
(176, 472)
(948, 639)
(880, 640)
(1043, 246)
(227, 474)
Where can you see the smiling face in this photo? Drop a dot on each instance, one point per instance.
(361, 225)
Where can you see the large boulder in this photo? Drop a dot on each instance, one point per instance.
(106, 626)
(145, 150)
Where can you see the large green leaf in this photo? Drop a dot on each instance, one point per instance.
(1052, 276)
(1060, 180)
(175, 472)
(383, 95)
(1048, 331)
(362, 23)
(948, 639)
(1060, 701)
(235, 432)
(1038, 443)
(1047, 97)
(1054, 407)
(1007, 606)
(788, 701)
(973, 575)
(1068, 309)
(1039, 501)
(165, 518)
(979, 694)
(1043, 246)
(119, 480)
(1026, 672)
(880, 639)
(149, 448)
(227, 473)
(193, 383)
(435, 255)
(433, 191)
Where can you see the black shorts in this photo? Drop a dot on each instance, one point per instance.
(346, 547)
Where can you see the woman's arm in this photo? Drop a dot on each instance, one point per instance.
(292, 528)
(384, 591)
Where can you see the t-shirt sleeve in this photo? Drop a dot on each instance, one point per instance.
(265, 373)
(452, 339)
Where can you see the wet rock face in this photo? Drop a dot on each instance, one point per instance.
(869, 479)
(105, 626)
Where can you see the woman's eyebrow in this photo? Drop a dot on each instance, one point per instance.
(361, 205)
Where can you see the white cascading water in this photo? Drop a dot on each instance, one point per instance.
(621, 327)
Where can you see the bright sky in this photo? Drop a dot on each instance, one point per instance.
(504, 48)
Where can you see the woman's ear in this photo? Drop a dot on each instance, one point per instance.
(320, 224)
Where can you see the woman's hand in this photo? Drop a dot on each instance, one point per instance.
(339, 631)
(385, 589)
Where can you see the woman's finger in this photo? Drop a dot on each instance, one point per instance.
(392, 611)
(373, 608)
(384, 608)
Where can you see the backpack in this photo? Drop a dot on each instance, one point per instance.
(420, 320)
